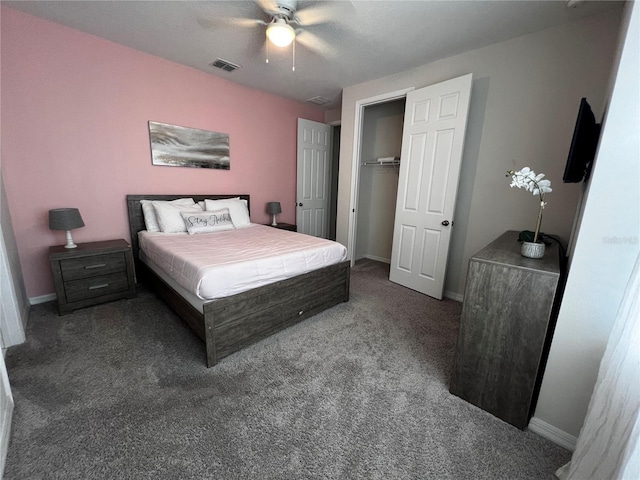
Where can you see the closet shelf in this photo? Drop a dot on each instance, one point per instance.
(385, 161)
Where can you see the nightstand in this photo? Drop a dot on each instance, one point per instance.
(285, 226)
(92, 273)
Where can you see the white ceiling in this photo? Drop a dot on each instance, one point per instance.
(367, 39)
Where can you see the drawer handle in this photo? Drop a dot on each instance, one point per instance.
(96, 287)
(97, 265)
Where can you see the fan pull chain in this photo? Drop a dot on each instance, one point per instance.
(293, 68)
(267, 51)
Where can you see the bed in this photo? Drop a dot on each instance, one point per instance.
(231, 323)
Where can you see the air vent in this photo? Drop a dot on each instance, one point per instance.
(318, 100)
(225, 65)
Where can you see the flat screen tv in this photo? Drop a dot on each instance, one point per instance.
(583, 145)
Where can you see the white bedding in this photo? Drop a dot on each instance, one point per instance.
(219, 264)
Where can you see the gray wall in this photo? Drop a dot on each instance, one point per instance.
(524, 101)
(606, 247)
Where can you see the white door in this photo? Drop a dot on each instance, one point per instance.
(432, 142)
(6, 410)
(314, 173)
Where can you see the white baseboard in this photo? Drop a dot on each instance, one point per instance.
(377, 259)
(453, 296)
(42, 299)
(557, 436)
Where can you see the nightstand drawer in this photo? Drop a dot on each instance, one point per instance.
(95, 265)
(95, 286)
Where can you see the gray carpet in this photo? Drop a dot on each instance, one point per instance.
(360, 391)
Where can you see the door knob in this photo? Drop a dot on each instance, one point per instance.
(445, 223)
(300, 204)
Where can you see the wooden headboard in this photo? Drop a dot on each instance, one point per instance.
(136, 218)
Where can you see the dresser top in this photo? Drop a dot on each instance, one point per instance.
(505, 250)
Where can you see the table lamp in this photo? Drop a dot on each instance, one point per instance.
(273, 208)
(65, 219)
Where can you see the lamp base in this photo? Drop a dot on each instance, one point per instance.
(273, 223)
(70, 243)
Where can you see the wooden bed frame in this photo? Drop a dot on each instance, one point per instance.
(229, 324)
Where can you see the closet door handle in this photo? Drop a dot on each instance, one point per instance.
(445, 223)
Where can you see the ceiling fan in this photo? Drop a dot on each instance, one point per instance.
(283, 14)
(287, 25)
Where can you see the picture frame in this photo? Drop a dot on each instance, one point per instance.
(176, 146)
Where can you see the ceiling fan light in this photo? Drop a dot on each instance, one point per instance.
(280, 33)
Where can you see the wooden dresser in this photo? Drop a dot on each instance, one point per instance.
(92, 273)
(505, 328)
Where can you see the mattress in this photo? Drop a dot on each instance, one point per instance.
(220, 264)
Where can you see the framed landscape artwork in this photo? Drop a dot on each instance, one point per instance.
(188, 147)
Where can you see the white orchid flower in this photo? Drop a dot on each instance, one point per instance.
(536, 184)
(544, 186)
(527, 179)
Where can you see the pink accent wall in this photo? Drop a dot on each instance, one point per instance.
(74, 134)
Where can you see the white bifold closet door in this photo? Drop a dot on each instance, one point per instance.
(432, 143)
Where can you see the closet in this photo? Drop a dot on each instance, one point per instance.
(378, 179)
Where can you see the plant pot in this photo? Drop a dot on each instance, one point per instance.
(532, 250)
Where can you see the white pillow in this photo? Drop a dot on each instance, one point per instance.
(207, 222)
(150, 220)
(237, 208)
(169, 218)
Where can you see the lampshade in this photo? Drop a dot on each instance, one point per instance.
(65, 219)
(280, 33)
(274, 207)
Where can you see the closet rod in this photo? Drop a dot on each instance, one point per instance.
(384, 162)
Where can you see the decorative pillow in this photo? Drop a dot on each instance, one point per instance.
(168, 215)
(237, 208)
(150, 220)
(207, 222)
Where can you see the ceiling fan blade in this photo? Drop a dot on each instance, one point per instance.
(225, 22)
(268, 6)
(315, 43)
(335, 11)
